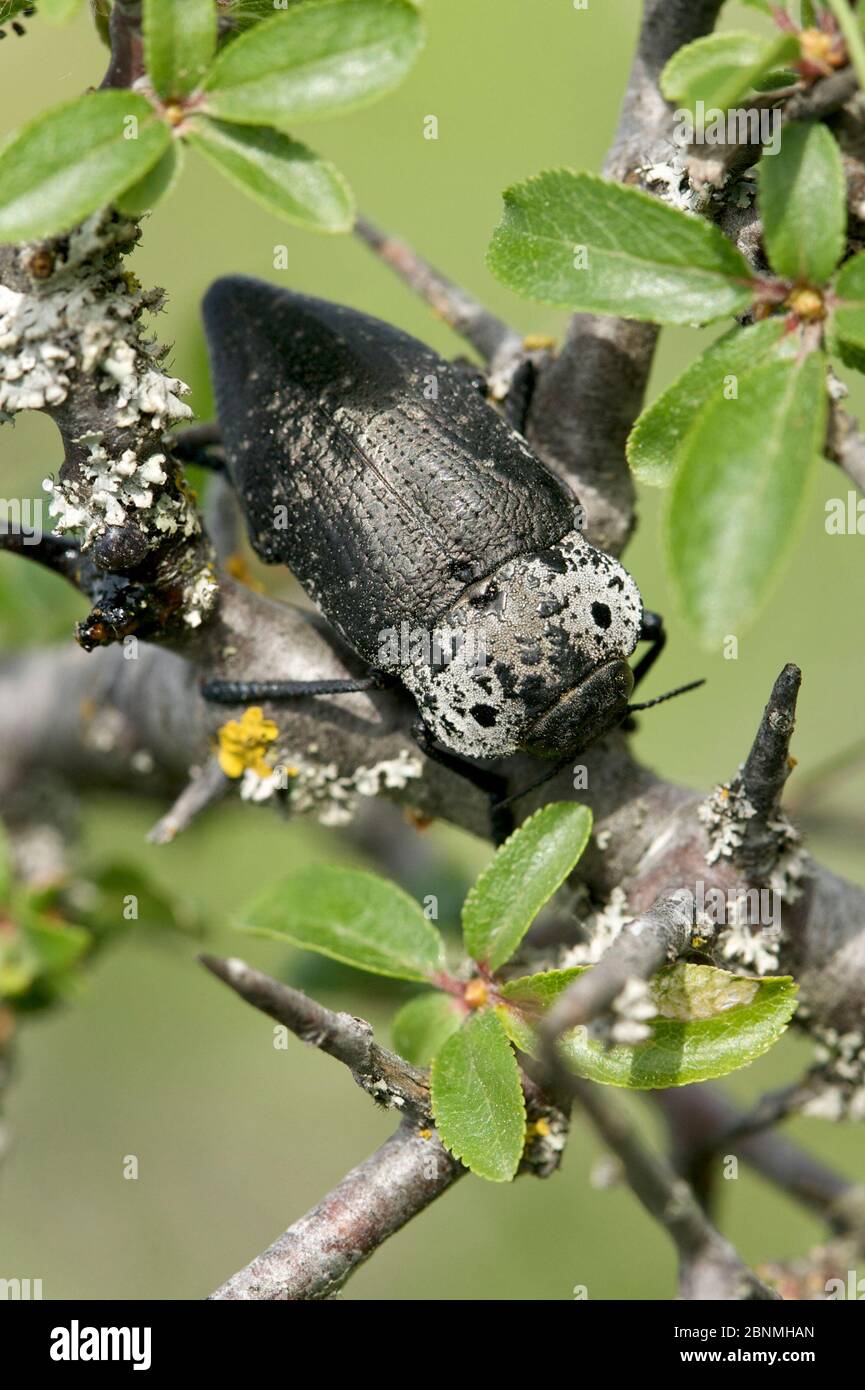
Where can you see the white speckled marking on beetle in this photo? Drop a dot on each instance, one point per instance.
(589, 612)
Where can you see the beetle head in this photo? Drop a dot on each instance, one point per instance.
(542, 664)
(583, 714)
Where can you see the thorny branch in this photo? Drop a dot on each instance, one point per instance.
(70, 325)
(383, 1074)
(316, 1255)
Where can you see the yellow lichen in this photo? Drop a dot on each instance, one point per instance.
(536, 342)
(538, 1129)
(243, 743)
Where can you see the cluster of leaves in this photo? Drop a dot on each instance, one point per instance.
(228, 92)
(709, 1022)
(47, 933)
(737, 438)
(726, 69)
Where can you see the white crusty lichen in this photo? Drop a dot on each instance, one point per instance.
(749, 945)
(600, 930)
(81, 314)
(318, 789)
(725, 814)
(110, 490)
(199, 596)
(632, 1009)
(72, 342)
(837, 1084)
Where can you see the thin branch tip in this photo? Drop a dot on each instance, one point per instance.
(768, 763)
(491, 337)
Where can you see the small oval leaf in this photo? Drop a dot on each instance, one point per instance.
(710, 1023)
(653, 446)
(423, 1025)
(351, 916)
(803, 203)
(74, 159)
(156, 184)
(284, 176)
(848, 320)
(523, 875)
(314, 60)
(477, 1099)
(742, 488)
(720, 69)
(179, 44)
(588, 244)
(526, 998)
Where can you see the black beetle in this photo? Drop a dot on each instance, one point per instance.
(408, 508)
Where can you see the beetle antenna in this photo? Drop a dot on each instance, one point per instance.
(659, 699)
(560, 766)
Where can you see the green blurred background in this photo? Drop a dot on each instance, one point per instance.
(235, 1139)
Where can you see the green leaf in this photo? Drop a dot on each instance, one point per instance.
(537, 992)
(526, 871)
(847, 325)
(243, 14)
(287, 177)
(56, 946)
(104, 903)
(315, 60)
(37, 955)
(5, 868)
(155, 185)
(54, 11)
(351, 916)
(179, 44)
(477, 1099)
(720, 69)
(765, 6)
(423, 1025)
(527, 998)
(850, 25)
(582, 242)
(74, 159)
(710, 1023)
(655, 439)
(741, 490)
(803, 203)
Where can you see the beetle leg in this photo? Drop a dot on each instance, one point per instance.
(520, 392)
(223, 692)
(201, 444)
(651, 631)
(492, 784)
